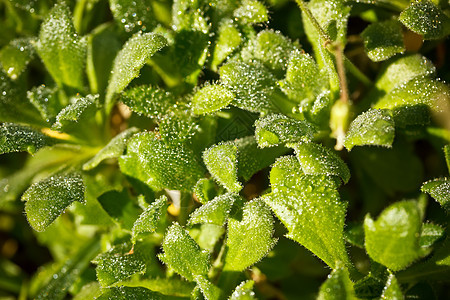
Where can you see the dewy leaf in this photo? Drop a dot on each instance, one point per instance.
(430, 234)
(149, 101)
(113, 149)
(47, 199)
(148, 221)
(249, 236)
(16, 138)
(205, 190)
(128, 62)
(439, 189)
(276, 129)
(221, 162)
(425, 18)
(373, 127)
(418, 91)
(135, 293)
(45, 99)
(82, 109)
(209, 290)
(254, 86)
(15, 56)
(251, 12)
(310, 208)
(182, 253)
(337, 287)
(119, 263)
(303, 78)
(62, 51)
(188, 15)
(399, 71)
(229, 38)
(133, 15)
(447, 156)
(120, 207)
(244, 291)
(215, 211)
(160, 165)
(383, 40)
(316, 159)
(272, 48)
(211, 98)
(393, 239)
(392, 290)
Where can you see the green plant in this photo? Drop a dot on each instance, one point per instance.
(224, 149)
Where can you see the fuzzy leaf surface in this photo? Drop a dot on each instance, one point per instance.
(316, 159)
(251, 12)
(119, 207)
(130, 59)
(183, 254)
(244, 291)
(392, 290)
(15, 56)
(337, 287)
(16, 138)
(149, 219)
(310, 208)
(229, 38)
(373, 127)
(72, 115)
(133, 15)
(215, 211)
(211, 98)
(425, 18)
(135, 293)
(249, 236)
(383, 40)
(47, 199)
(62, 51)
(393, 239)
(439, 189)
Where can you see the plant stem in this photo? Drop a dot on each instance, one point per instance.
(323, 35)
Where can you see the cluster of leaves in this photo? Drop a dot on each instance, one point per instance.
(186, 150)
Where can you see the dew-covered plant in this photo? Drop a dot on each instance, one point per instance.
(224, 149)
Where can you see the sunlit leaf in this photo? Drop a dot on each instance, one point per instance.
(439, 189)
(249, 236)
(251, 12)
(209, 290)
(215, 211)
(211, 98)
(337, 287)
(82, 109)
(47, 199)
(392, 291)
(183, 254)
(244, 291)
(133, 15)
(383, 40)
(16, 138)
(229, 38)
(148, 221)
(15, 56)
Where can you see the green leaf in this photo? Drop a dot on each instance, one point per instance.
(373, 284)
(251, 12)
(130, 59)
(148, 221)
(15, 56)
(48, 198)
(253, 85)
(399, 71)
(425, 18)
(167, 286)
(119, 207)
(393, 239)
(221, 162)
(149, 101)
(354, 235)
(316, 159)
(211, 98)
(135, 293)
(382, 40)
(69, 272)
(207, 235)
(447, 156)
(244, 291)
(373, 127)
(148, 159)
(249, 236)
(113, 149)
(439, 189)
(133, 15)
(62, 51)
(182, 254)
(430, 234)
(392, 291)
(418, 91)
(209, 290)
(215, 211)
(190, 50)
(228, 40)
(121, 262)
(310, 208)
(337, 287)
(276, 129)
(205, 190)
(103, 44)
(80, 111)
(46, 101)
(273, 49)
(303, 81)
(188, 15)
(16, 138)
